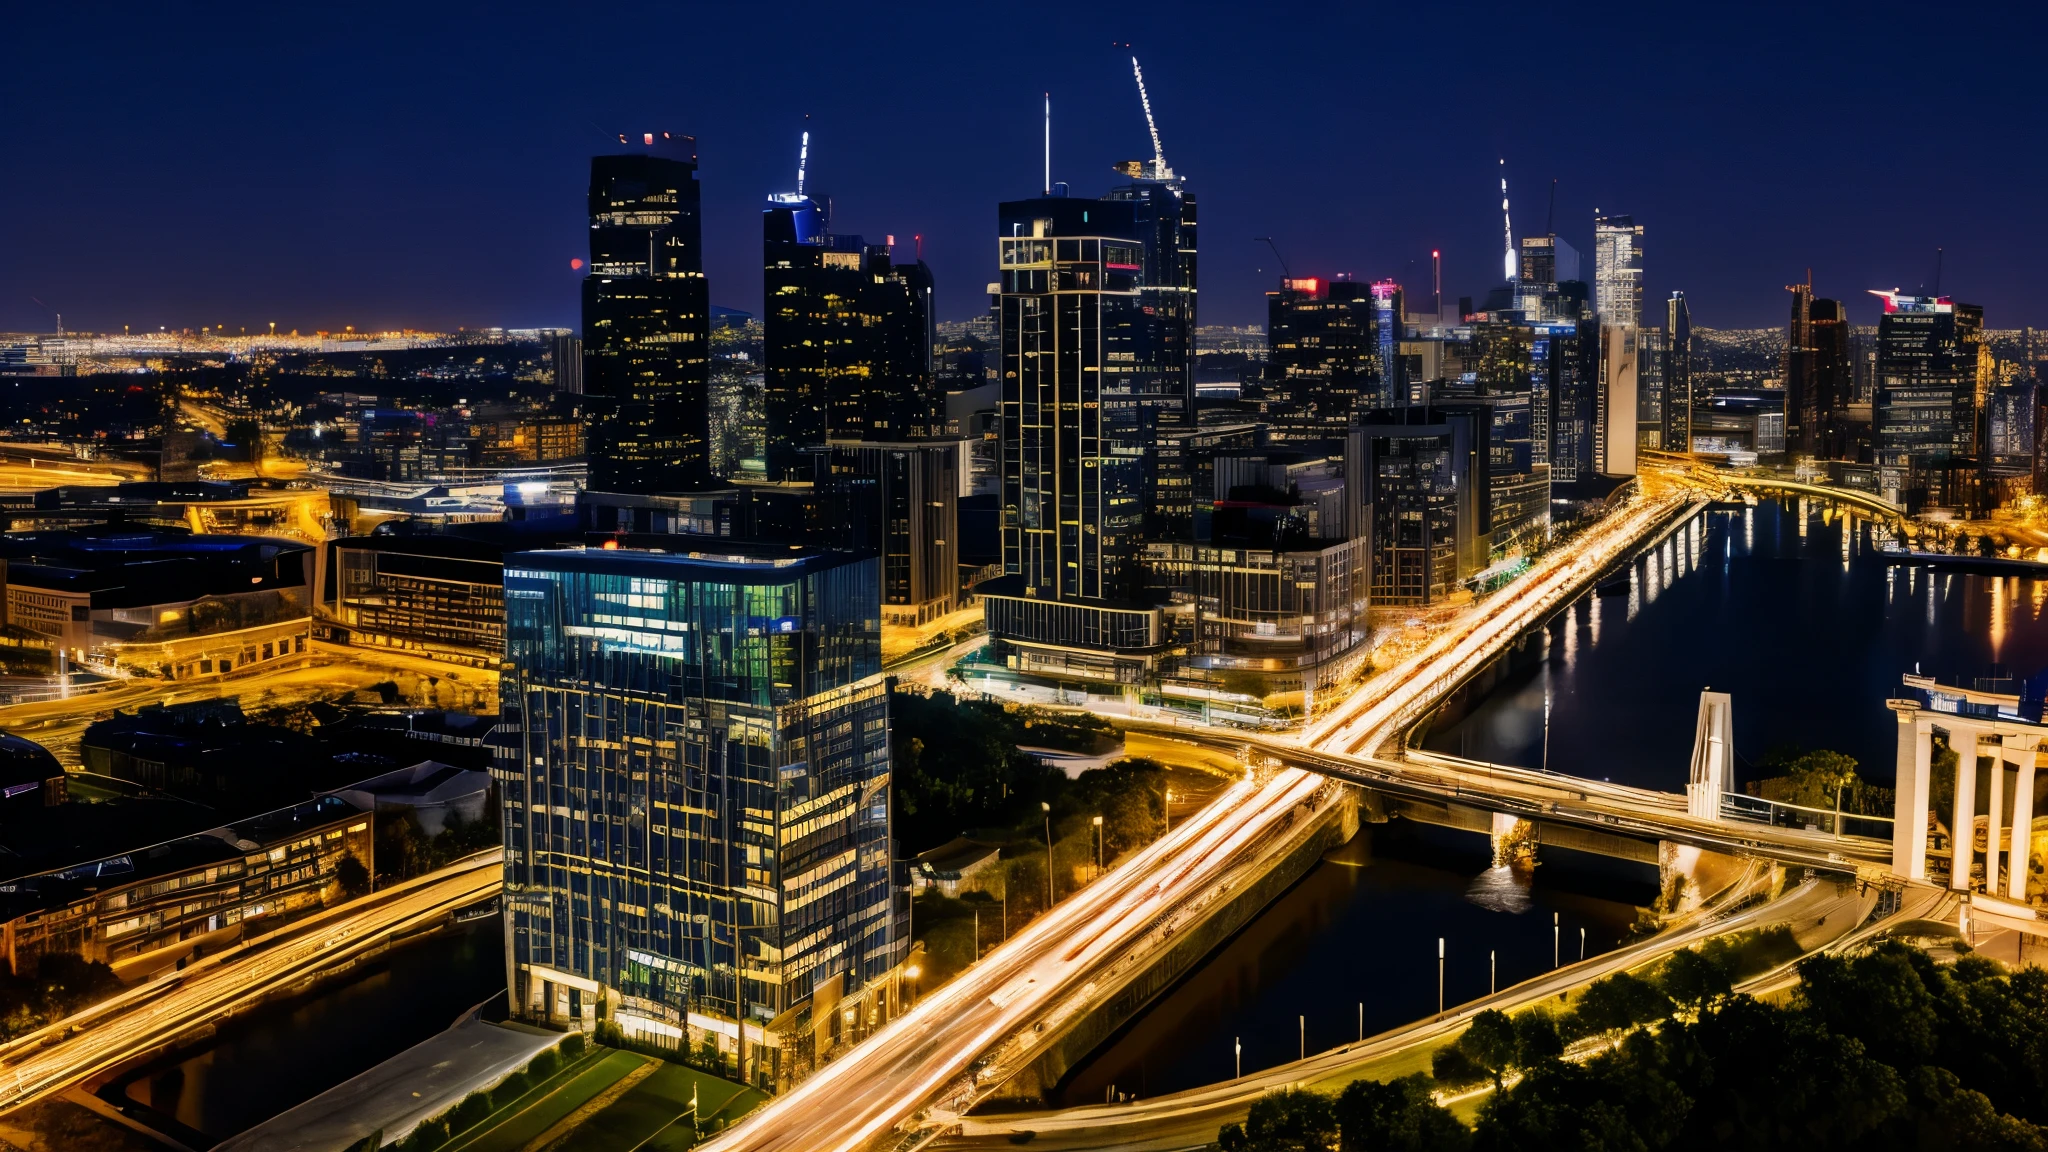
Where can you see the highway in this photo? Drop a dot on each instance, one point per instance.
(1187, 1120)
(929, 1056)
(156, 1012)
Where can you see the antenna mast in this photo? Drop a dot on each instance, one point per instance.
(1159, 169)
(803, 158)
(1507, 225)
(1048, 143)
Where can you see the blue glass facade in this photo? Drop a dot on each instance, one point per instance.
(696, 786)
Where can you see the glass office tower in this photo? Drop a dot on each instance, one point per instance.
(647, 320)
(695, 792)
(1073, 337)
(846, 339)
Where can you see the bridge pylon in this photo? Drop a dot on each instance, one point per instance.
(1713, 752)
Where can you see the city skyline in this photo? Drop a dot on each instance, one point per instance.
(233, 188)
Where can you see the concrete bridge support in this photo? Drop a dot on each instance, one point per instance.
(1688, 876)
(1713, 749)
(2008, 748)
(1514, 841)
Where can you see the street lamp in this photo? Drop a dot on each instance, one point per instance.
(1237, 1050)
(1553, 940)
(1582, 943)
(1047, 809)
(1304, 1036)
(913, 972)
(1439, 975)
(1098, 845)
(1492, 971)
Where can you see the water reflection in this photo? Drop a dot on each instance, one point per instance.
(1810, 634)
(1359, 932)
(286, 1053)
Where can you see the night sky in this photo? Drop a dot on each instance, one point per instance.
(424, 165)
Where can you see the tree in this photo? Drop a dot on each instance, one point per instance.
(352, 876)
(1622, 1000)
(1289, 1121)
(1397, 1116)
(1536, 1038)
(1693, 981)
(1490, 1043)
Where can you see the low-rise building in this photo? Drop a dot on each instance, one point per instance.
(164, 601)
(155, 903)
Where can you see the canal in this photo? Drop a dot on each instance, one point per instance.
(289, 1051)
(1793, 613)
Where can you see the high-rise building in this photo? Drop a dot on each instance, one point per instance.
(847, 339)
(1618, 303)
(1323, 354)
(1489, 362)
(1163, 217)
(647, 320)
(1074, 334)
(1925, 411)
(1652, 350)
(1819, 377)
(901, 501)
(566, 350)
(1420, 485)
(1547, 262)
(1678, 398)
(696, 800)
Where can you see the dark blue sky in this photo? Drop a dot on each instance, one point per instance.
(423, 164)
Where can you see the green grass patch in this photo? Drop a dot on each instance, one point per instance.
(656, 1111)
(514, 1126)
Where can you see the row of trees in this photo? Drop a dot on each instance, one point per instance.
(1889, 1050)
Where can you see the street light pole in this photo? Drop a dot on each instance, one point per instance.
(1582, 943)
(1304, 1036)
(1553, 940)
(1098, 846)
(1492, 971)
(1237, 1050)
(1048, 853)
(1439, 975)
(1361, 1021)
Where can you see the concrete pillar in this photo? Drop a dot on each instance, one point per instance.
(1997, 816)
(1712, 744)
(1910, 786)
(1962, 836)
(2022, 749)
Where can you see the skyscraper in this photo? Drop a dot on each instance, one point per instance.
(1323, 353)
(1618, 304)
(647, 320)
(846, 338)
(1653, 353)
(696, 802)
(1925, 412)
(1824, 424)
(1163, 217)
(1678, 374)
(1073, 454)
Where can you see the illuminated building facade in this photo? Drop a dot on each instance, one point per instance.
(846, 339)
(1678, 397)
(647, 320)
(696, 799)
(1323, 353)
(1925, 412)
(901, 501)
(1618, 305)
(1430, 520)
(1073, 341)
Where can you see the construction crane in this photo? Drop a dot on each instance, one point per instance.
(1268, 240)
(1157, 170)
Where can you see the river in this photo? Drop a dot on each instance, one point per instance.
(289, 1051)
(1795, 615)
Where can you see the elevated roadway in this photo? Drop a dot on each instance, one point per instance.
(932, 1063)
(157, 1012)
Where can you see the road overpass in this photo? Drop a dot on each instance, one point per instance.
(947, 1052)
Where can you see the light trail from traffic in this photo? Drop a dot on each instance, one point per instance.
(154, 1013)
(856, 1101)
